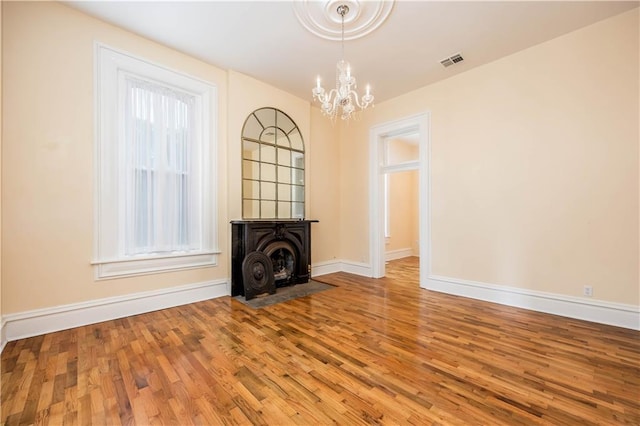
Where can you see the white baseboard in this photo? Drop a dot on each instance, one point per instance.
(41, 321)
(600, 311)
(331, 266)
(357, 268)
(328, 267)
(47, 320)
(3, 335)
(398, 254)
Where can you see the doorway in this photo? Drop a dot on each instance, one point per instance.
(400, 212)
(382, 163)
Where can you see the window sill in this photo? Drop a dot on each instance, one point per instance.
(120, 268)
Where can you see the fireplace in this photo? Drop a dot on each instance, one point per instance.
(267, 254)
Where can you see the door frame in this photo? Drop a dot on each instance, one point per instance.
(421, 124)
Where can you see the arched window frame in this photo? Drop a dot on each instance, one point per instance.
(273, 169)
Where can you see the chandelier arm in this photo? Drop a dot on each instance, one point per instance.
(329, 104)
(332, 94)
(336, 101)
(355, 96)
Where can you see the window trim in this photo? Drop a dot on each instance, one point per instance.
(109, 260)
(276, 181)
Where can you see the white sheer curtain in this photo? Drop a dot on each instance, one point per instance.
(160, 206)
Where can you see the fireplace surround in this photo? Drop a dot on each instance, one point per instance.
(267, 254)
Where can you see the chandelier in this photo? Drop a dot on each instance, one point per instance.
(344, 99)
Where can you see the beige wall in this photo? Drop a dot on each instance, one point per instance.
(354, 188)
(415, 212)
(47, 161)
(1, 301)
(534, 167)
(324, 179)
(403, 211)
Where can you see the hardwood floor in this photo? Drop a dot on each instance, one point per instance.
(369, 351)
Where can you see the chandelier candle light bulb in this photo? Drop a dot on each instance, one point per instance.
(344, 98)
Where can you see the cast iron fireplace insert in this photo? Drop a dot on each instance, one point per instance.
(267, 254)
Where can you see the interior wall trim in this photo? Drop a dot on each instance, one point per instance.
(338, 265)
(593, 310)
(357, 268)
(398, 254)
(324, 268)
(40, 321)
(599, 311)
(3, 335)
(420, 124)
(37, 322)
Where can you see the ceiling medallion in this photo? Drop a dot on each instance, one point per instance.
(321, 19)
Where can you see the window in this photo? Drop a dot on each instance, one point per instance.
(272, 166)
(155, 152)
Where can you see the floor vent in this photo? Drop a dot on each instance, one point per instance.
(447, 62)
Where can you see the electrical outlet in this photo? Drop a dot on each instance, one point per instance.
(587, 291)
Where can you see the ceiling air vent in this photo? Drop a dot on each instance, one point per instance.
(447, 62)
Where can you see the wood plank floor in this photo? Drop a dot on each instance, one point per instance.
(369, 351)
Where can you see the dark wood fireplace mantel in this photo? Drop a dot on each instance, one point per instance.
(286, 246)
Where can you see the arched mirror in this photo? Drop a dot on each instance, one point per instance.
(272, 166)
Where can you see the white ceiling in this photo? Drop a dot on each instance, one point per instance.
(264, 39)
